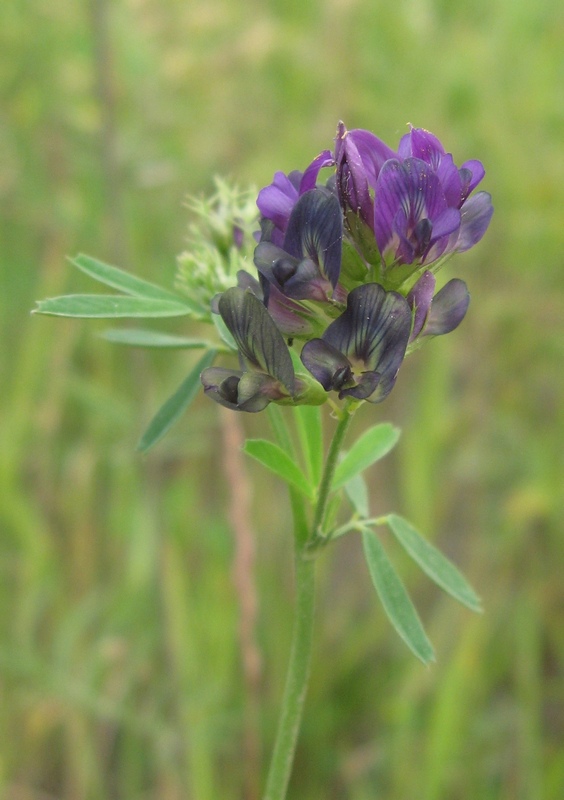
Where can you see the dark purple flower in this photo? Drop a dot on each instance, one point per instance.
(360, 353)
(433, 316)
(307, 265)
(268, 372)
(291, 317)
(276, 201)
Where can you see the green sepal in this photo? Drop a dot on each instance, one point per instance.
(394, 598)
(433, 563)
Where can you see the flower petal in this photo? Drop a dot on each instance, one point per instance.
(477, 171)
(351, 178)
(260, 343)
(365, 388)
(309, 178)
(412, 188)
(448, 308)
(419, 299)
(476, 214)
(453, 181)
(422, 144)
(372, 151)
(256, 390)
(221, 385)
(326, 364)
(299, 279)
(276, 201)
(315, 230)
(374, 330)
(239, 391)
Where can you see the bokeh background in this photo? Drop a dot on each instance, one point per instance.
(122, 664)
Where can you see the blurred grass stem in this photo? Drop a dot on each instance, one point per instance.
(245, 586)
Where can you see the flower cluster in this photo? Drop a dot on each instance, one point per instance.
(346, 271)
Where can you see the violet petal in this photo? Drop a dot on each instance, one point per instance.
(315, 230)
(374, 330)
(276, 201)
(260, 343)
(327, 365)
(309, 178)
(419, 299)
(448, 308)
(476, 214)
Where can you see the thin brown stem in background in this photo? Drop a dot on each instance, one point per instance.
(239, 514)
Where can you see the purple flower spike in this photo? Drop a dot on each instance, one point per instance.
(360, 353)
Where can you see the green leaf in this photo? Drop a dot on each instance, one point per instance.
(434, 563)
(395, 600)
(175, 406)
(138, 337)
(357, 492)
(108, 306)
(310, 431)
(122, 280)
(278, 461)
(373, 445)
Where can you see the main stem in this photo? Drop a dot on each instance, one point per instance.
(300, 656)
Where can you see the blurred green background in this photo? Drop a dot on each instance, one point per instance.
(121, 667)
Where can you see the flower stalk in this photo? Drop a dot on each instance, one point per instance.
(297, 676)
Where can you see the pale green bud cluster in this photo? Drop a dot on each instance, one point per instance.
(220, 243)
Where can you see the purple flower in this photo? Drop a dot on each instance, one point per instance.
(276, 201)
(360, 353)
(307, 265)
(267, 374)
(422, 208)
(433, 316)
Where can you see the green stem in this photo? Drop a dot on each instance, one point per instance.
(296, 682)
(329, 471)
(302, 639)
